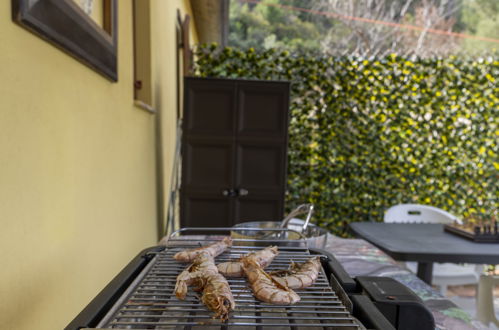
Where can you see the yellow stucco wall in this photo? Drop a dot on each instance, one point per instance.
(164, 74)
(77, 168)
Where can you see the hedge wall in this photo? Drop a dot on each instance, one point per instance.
(366, 134)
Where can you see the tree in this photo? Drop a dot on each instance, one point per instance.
(269, 26)
(364, 27)
(375, 27)
(431, 16)
(480, 18)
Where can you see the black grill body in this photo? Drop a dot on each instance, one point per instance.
(336, 301)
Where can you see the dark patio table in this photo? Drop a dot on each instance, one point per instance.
(425, 244)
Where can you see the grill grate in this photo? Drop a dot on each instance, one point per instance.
(150, 302)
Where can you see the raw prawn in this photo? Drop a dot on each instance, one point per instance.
(203, 265)
(264, 287)
(217, 296)
(213, 250)
(299, 276)
(235, 268)
(203, 274)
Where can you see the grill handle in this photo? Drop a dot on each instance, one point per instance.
(217, 230)
(332, 267)
(90, 316)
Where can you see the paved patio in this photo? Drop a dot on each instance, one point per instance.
(464, 297)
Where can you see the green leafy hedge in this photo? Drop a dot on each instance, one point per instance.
(366, 134)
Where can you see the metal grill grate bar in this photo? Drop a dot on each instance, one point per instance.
(240, 310)
(267, 324)
(151, 303)
(150, 316)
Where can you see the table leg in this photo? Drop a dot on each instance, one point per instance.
(425, 271)
(485, 299)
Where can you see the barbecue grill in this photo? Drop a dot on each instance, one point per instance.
(142, 295)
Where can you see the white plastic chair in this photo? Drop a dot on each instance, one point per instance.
(444, 274)
(417, 213)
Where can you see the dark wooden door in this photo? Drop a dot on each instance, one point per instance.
(234, 151)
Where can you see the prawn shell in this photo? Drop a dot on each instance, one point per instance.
(231, 269)
(218, 297)
(300, 276)
(264, 287)
(235, 268)
(214, 250)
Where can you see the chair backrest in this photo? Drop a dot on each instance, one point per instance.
(416, 213)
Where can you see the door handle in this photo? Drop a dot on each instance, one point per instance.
(229, 193)
(242, 192)
(235, 192)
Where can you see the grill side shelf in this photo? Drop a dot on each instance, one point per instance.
(98, 307)
(368, 314)
(350, 293)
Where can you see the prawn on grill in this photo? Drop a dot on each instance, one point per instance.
(299, 276)
(217, 296)
(213, 249)
(202, 265)
(264, 287)
(235, 268)
(203, 275)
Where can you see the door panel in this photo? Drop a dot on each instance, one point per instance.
(263, 111)
(261, 147)
(234, 141)
(260, 166)
(258, 209)
(205, 211)
(210, 165)
(210, 108)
